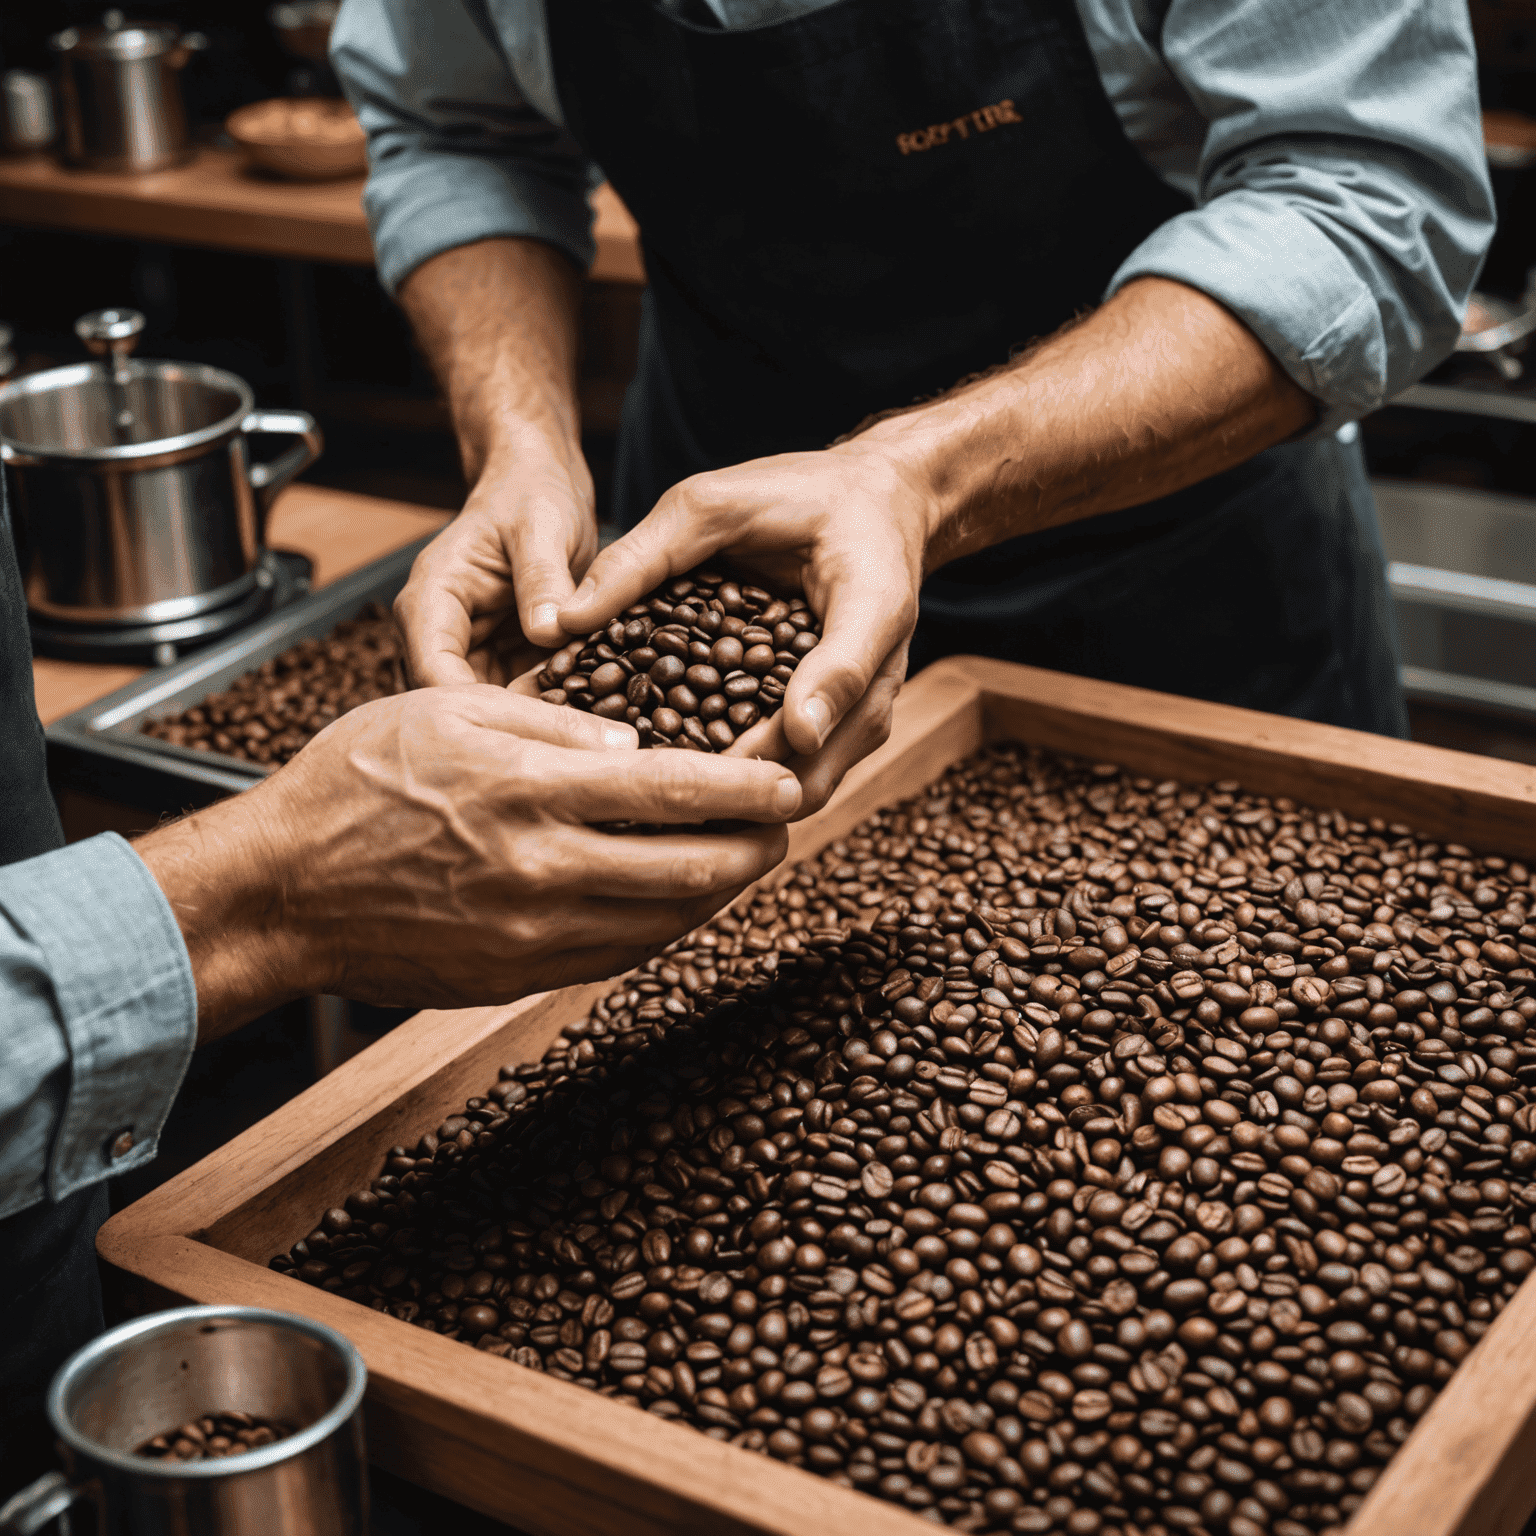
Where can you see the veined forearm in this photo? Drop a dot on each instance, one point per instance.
(498, 322)
(1160, 388)
(223, 874)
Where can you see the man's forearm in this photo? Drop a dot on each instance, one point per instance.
(1158, 389)
(498, 322)
(222, 874)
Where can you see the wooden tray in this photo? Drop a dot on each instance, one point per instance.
(552, 1457)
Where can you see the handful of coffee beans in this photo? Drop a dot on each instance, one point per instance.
(695, 665)
(1061, 1150)
(213, 1437)
(270, 713)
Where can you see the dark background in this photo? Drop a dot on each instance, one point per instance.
(326, 338)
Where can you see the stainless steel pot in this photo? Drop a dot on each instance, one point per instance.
(132, 484)
(120, 94)
(149, 1375)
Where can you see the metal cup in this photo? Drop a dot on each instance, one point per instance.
(120, 94)
(148, 1376)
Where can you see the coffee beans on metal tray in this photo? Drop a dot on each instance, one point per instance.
(1059, 1151)
(214, 1436)
(694, 665)
(270, 713)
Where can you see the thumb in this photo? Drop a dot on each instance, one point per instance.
(541, 565)
(865, 620)
(666, 543)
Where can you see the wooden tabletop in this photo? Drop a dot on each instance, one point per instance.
(339, 531)
(214, 200)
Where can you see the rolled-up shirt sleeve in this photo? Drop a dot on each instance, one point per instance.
(1343, 205)
(456, 151)
(98, 1017)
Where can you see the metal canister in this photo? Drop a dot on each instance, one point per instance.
(120, 94)
(147, 1376)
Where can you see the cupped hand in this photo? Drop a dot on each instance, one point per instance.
(440, 848)
(483, 598)
(846, 526)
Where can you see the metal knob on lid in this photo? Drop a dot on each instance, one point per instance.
(114, 331)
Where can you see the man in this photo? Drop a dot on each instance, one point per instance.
(849, 206)
(433, 849)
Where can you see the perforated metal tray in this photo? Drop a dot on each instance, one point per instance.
(102, 749)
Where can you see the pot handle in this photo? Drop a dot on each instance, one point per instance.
(268, 479)
(39, 1504)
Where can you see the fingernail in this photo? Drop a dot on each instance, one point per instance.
(617, 736)
(546, 616)
(819, 713)
(583, 593)
(786, 795)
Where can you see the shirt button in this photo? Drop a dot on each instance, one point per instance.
(121, 1144)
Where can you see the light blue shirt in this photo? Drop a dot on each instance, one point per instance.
(98, 1016)
(1332, 148)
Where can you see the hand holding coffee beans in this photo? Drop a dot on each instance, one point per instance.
(1059, 1151)
(695, 665)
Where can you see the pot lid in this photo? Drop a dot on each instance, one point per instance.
(117, 38)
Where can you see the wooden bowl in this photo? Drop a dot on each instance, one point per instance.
(304, 139)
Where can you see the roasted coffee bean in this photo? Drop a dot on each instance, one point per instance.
(608, 678)
(213, 1437)
(726, 653)
(902, 1172)
(723, 648)
(267, 715)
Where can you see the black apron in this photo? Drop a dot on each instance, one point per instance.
(50, 1290)
(853, 209)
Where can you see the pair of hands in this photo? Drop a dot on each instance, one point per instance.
(440, 848)
(497, 589)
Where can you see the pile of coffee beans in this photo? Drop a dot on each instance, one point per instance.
(213, 1436)
(693, 666)
(1061, 1150)
(270, 713)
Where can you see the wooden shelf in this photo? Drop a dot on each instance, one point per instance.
(215, 201)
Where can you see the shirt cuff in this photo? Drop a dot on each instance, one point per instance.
(122, 984)
(421, 203)
(1290, 284)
